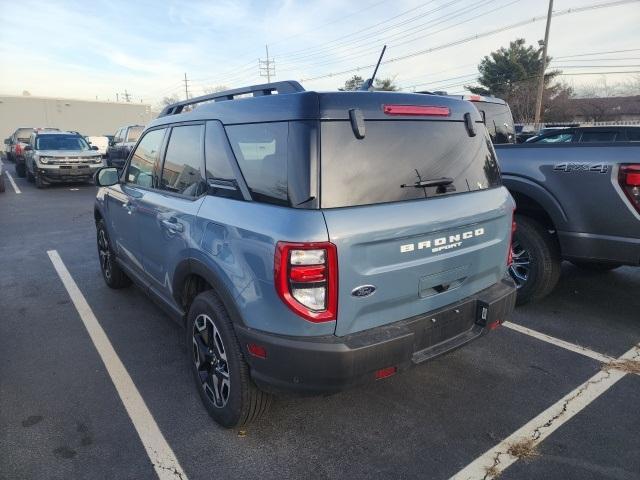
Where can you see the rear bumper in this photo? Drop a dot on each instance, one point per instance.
(603, 248)
(331, 364)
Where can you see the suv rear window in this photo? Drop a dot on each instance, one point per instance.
(23, 134)
(261, 151)
(394, 155)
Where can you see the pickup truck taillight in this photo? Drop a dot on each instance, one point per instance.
(18, 149)
(306, 279)
(629, 179)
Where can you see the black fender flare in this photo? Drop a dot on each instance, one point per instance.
(541, 195)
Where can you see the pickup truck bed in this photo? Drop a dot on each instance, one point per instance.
(572, 202)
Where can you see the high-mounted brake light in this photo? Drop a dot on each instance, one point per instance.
(306, 279)
(473, 98)
(416, 110)
(629, 179)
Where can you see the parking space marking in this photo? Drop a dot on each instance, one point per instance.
(494, 461)
(160, 453)
(560, 343)
(13, 183)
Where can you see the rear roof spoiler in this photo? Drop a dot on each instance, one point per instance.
(289, 86)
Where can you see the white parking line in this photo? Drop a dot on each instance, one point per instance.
(493, 462)
(13, 184)
(560, 343)
(162, 457)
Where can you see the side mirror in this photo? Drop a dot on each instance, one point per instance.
(93, 147)
(107, 176)
(7, 141)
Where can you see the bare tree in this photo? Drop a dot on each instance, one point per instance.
(215, 89)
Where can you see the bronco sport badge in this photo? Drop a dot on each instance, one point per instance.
(442, 243)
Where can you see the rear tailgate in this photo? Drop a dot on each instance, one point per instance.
(405, 249)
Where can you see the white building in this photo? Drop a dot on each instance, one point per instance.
(85, 116)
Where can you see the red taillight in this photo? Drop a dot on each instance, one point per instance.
(513, 231)
(629, 179)
(306, 279)
(385, 372)
(257, 350)
(475, 98)
(418, 110)
(18, 149)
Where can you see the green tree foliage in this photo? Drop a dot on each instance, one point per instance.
(354, 83)
(512, 74)
(385, 84)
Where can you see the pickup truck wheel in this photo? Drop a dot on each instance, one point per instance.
(219, 368)
(20, 169)
(2, 184)
(30, 176)
(113, 275)
(536, 260)
(596, 266)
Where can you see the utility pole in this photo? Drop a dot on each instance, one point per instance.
(545, 46)
(186, 87)
(117, 98)
(126, 95)
(267, 68)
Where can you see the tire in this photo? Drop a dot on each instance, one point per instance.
(536, 260)
(238, 401)
(596, 267)
(113, 275)
(20, 169)
(40, 183)
(30, 176)
(2, 184)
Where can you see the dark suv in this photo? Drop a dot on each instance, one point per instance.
(311, 241)
(122, 143)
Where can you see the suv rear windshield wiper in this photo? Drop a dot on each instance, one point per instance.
(434, 182)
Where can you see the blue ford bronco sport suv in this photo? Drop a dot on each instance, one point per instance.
(310, 241)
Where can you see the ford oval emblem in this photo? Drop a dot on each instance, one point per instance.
(363, 291)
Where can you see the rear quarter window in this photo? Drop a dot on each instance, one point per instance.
(261, 150)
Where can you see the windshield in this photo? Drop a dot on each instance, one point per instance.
(499, 121)
(61, 142)
(403, 160)
(134, 134)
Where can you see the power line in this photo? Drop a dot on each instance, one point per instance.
(186, 87)
(267, 68)
(476, 37)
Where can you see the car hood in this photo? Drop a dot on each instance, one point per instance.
(68, 153)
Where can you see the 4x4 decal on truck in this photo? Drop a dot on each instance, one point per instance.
(581, 167)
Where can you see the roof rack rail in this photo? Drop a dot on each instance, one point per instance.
(288, 86)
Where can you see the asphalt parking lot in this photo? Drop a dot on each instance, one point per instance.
(464, 414)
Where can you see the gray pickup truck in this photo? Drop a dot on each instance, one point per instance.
(575, 202)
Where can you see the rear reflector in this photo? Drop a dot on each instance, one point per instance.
(416, 110)
(385, 372)
(257, 350)
(493, 325)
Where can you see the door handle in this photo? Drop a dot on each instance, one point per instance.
(173, 225)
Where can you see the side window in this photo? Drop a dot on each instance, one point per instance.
(219, 160)
(182, 169)
(633, 134)
(557, 138)
(261, 151)
(117, 138)
(140, 170)
(133, 133)
(595, 137)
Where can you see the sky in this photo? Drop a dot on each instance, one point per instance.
(102, 49)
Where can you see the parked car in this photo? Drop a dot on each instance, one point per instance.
(101, 142)
(575, 201)
(310, 241)
(16, 143)
(123, 141)
(613, 133)
(2, 179)
(60, 157)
